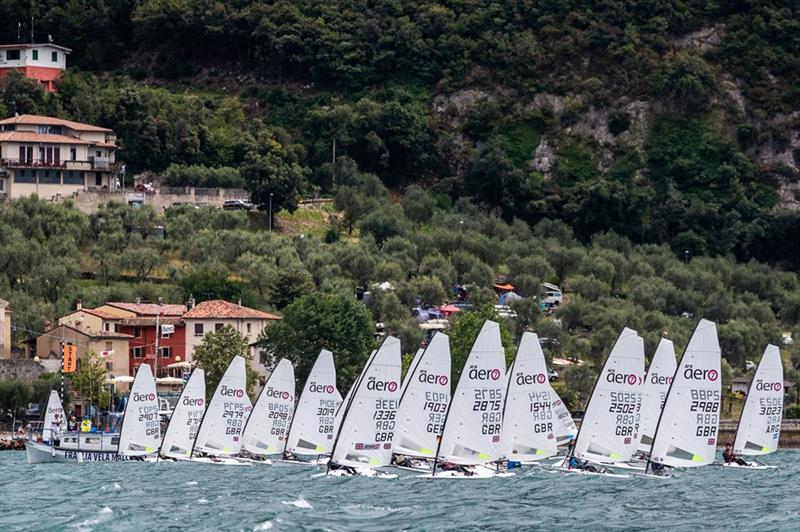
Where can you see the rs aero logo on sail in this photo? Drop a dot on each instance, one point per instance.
(700, 374)
(430, 378)
(313, 387)
(540, 378)
(188, 401)
(622, 378)
(484, 374)
(381, 386)
(768, 386)
(138, 397)
(277, 394)
(231, 392)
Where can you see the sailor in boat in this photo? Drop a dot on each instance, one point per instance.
(55, 430)
(731, 458)
(449, 466)
(347, 469)
(576, 463)
(659, 470)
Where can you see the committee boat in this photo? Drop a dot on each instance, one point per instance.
(138, 438)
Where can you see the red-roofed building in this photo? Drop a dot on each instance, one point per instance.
(51, 157)
(139, 321)
(210, 316)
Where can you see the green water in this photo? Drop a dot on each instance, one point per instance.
(184, 496)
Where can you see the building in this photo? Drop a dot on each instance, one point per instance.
(5, 330)
(139, 320)
(111, 346)
(210, 316)
(53, 157)
(41, 62)
(93, 319)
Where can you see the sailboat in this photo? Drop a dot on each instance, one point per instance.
(688, 428)
(760, 423)
(311, 431)
(138, 437)
(423, 405)
(564, 427)
(219, 437)
(529, 422)
(268, 425)
(411, 367)
(611, 423)
(54, 409)
(654, 392)
(364, 439)
(185, 420)
(474, 420)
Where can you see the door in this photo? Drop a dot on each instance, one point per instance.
(98, 179)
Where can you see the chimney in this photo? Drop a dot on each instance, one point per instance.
(138, 300)
(240, 302)
(160, 301)
(79, 305)
(190, 303)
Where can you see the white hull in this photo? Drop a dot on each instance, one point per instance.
(214, 461)
(39, 453)
(750, 466)
(478, 472)
(360, 472)
(256, 461)
(560, 469)
(302, 463)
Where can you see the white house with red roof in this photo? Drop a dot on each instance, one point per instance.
(210, 316)
(51, 157)
(43, 62)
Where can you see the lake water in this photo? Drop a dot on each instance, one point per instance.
(176, 496)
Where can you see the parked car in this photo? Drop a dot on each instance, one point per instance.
(553, 375)
(552, 294)
(237, 205)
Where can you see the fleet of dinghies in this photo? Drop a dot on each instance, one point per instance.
(494, 421)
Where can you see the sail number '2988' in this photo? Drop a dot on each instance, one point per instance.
(706, 404)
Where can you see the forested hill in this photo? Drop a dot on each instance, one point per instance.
(667, 122)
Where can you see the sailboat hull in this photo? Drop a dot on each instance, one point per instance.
(38, 453)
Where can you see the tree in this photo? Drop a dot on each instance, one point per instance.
(322, 321)
(580, 379)
(90, 379)
(463, 331)
(272, 176)
(214, 355)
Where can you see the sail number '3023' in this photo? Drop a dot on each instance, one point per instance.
(490, 403)
(706, 404)
(772, 407)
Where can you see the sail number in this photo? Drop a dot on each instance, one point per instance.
(626, 406)
(384, 418)
(772, 407)
(490, 403)
(706, 404)
(326, 414)
(234, 416)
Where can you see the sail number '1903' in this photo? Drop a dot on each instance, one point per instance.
(706, 404)
(490, 403)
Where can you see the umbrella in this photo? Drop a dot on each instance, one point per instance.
(121, 379)
(181, 364)
(169, 380)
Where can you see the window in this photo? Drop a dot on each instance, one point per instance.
(109, 366)
(109, 345)
(42, 130)
(21, 153)
(136, 352)
(36, 55)
(54, 56)
(166, 335)
(248, 328)
(98, 179)
(25, 176)
(12, 55)
(165, 352)
(98, 153)
(41, 154)
(2, 184)
(198, 329)
(57, 155)
(73, 154)
(116, 327)
(48, 157)
(50, 177)
(106, 326)
(137, 332)
(73, 178)
(218, 326)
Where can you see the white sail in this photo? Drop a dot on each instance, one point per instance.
(529, 421)
(687, 431)
(654, 391)
(565, 428)
(343, 405)
(369, 422)
(141, 424)
(410, 370)
(474, 421)
(186, 417)
(313, 425)
(760, 424)
(268, 424)
(610, 424)
(220, 433)
(54, 407)
(424, 400)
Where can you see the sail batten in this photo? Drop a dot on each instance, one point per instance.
(760, 424)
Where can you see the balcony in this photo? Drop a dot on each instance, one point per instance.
(101, 164)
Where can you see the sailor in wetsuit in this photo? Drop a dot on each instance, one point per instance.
(347, 469)
(729, 457)
(448, 466)
(576, 463)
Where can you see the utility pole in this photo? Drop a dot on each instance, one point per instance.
(333, 158)
(270, 212)
(158, 334)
